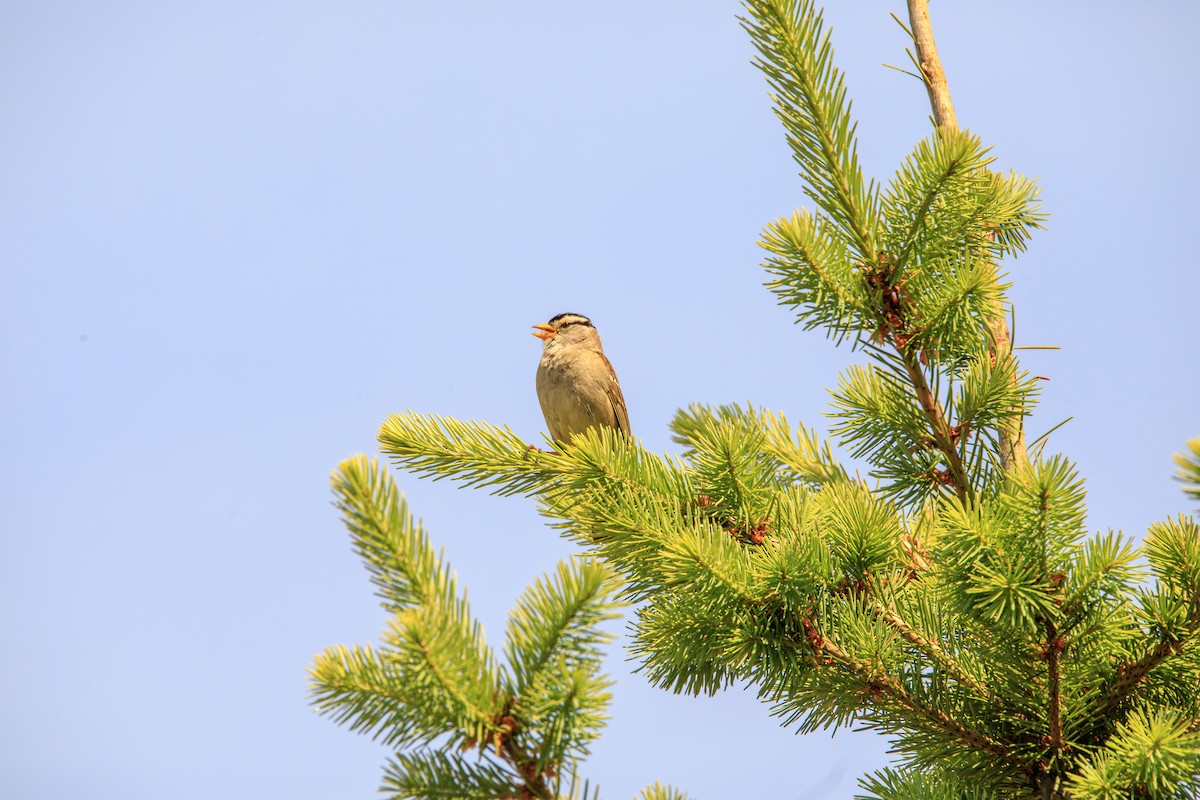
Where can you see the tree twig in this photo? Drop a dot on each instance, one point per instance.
(931, 649)
(931, 65)
(1012, 444)
(1129, 676)
(940, 428)
(823, 650)
(1054, 689)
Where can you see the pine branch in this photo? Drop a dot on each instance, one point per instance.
(685, 643)
(536, 786)
(1188, 469)
(559, 618)
(563, 711)
(880, 417)
(553, 646)
(924, 784)
(1178, 598)
(455, 684)
(1012, 451)
(1130, 676)
(659, 791)
(824, 651)
(1154, 753)
(816, 276)
(800, 456)
(570, 786)
(1102, 577)
(796, 56)
(931, 65)
(939, 427)
(944, 321)
(435, 682)
(709, 560)
(474, 453)
(930, 649)
(446, 776)
(952, 160)
(395, 548)
(359, 688)
(1054, 648)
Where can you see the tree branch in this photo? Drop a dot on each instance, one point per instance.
(931, 66)
(823, 649)
(535, 787)
(941, 430)
(931, 650)
(1012, 444)
(1129, 676)
(1054, 690)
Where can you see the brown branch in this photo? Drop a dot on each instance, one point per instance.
(1012, 444)
(892, 314)
(941, 429)
(930, 649)
(1129, 676)
(931, 65)
(535, 786)
(1054, 648)
(825, 652)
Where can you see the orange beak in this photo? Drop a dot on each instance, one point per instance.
(546, 331)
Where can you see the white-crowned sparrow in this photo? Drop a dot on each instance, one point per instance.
(576, 385)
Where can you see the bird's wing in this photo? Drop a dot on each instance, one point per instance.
(617, 399)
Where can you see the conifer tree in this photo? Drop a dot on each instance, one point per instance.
(954, 602)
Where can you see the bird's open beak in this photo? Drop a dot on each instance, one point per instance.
(545, 331)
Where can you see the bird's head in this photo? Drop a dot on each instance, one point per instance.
(568, 329)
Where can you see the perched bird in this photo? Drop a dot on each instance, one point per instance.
(576, 386)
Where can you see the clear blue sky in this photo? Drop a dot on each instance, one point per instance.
(235, 235)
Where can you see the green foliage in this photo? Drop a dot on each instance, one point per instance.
(959, 605)
(826, 292)
(1188, 470)
(945, 204)
(893, 784)
(434, 686)
(798, 453)
(661, 792)
(1172, 549)
(443, 774)
(1153, 754)
(909, 274)
(1006, 560)
(796, 56)
(994, 640)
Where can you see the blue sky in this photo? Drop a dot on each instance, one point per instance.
(234, 236)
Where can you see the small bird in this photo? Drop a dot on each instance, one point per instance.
(576, 385)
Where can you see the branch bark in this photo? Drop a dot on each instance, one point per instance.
(1054, 688)
(1012, 445)
(931, 65)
